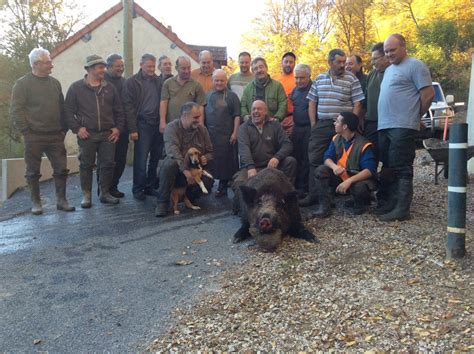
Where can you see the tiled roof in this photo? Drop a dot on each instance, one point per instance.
(219, 53)
(111, 12)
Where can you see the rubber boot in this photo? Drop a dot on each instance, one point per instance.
(401, 211)
(61, 201)
(105, 182)
(325, 198)
(387, 201)
(36, 208)
(86, 186)
(387, 192)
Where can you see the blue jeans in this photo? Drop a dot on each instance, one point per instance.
(148, 147)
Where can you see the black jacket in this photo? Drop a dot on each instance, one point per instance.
(133, 97)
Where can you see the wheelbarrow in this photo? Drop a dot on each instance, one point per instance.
(439, 152)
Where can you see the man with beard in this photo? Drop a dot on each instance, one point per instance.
(265, 89)
(180, 135)
(238, 81)
(287, 77)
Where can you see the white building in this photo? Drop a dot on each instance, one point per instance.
(103, 36)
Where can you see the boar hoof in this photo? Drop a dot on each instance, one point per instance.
(303, 233)
(241, 235)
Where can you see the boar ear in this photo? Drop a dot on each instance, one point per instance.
(291, 197)
(249, 194)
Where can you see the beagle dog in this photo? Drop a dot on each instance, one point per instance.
(192, 163)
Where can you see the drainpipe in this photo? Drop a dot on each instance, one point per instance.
(128, 37)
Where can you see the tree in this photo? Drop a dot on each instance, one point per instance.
(353, 24)
(289, 25)
(37, 23)
(28, 24)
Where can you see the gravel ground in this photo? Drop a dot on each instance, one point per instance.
(368, 286)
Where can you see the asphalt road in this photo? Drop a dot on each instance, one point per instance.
(106, 278)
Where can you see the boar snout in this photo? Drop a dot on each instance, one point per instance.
(265, 224)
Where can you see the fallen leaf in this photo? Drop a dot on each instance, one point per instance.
(424, 319)
(350, 344)
(37, 341)
(413, 281)
(454, 301)
(184, 262)
(199, 242)
(368, 338)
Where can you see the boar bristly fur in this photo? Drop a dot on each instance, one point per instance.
(269, 210)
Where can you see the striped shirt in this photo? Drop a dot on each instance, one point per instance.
(334, 97)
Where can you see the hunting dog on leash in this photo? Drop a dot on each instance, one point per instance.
(192, 162)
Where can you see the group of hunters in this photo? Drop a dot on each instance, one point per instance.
(328, 136)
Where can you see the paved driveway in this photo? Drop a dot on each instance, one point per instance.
(104, 278)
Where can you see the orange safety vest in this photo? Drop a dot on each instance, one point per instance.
(349, 159)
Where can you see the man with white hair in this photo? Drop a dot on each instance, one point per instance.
(37, 109)
(302, 124)
(203, 74)
(222, 120)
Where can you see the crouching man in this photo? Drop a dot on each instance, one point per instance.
(349, 167)
(262, 143)
(180, 135)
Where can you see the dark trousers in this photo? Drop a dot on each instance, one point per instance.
(148, 148)
(360, 191)
(300, 138)
(97, 146)
(397, 150)
(170, 176)
(321, 135)
(121, 149)
(52, 145)
(371, 134)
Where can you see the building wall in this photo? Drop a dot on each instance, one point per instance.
(107, 39)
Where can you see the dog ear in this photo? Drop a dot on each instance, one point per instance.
(186, 161)
(249, 195)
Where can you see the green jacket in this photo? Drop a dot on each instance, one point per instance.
(275, 98)
(37, 105)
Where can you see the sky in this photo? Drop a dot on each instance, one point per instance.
(198, 22)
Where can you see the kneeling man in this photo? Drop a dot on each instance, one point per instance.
(349, 167)
(262, 143)
(180, 135)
